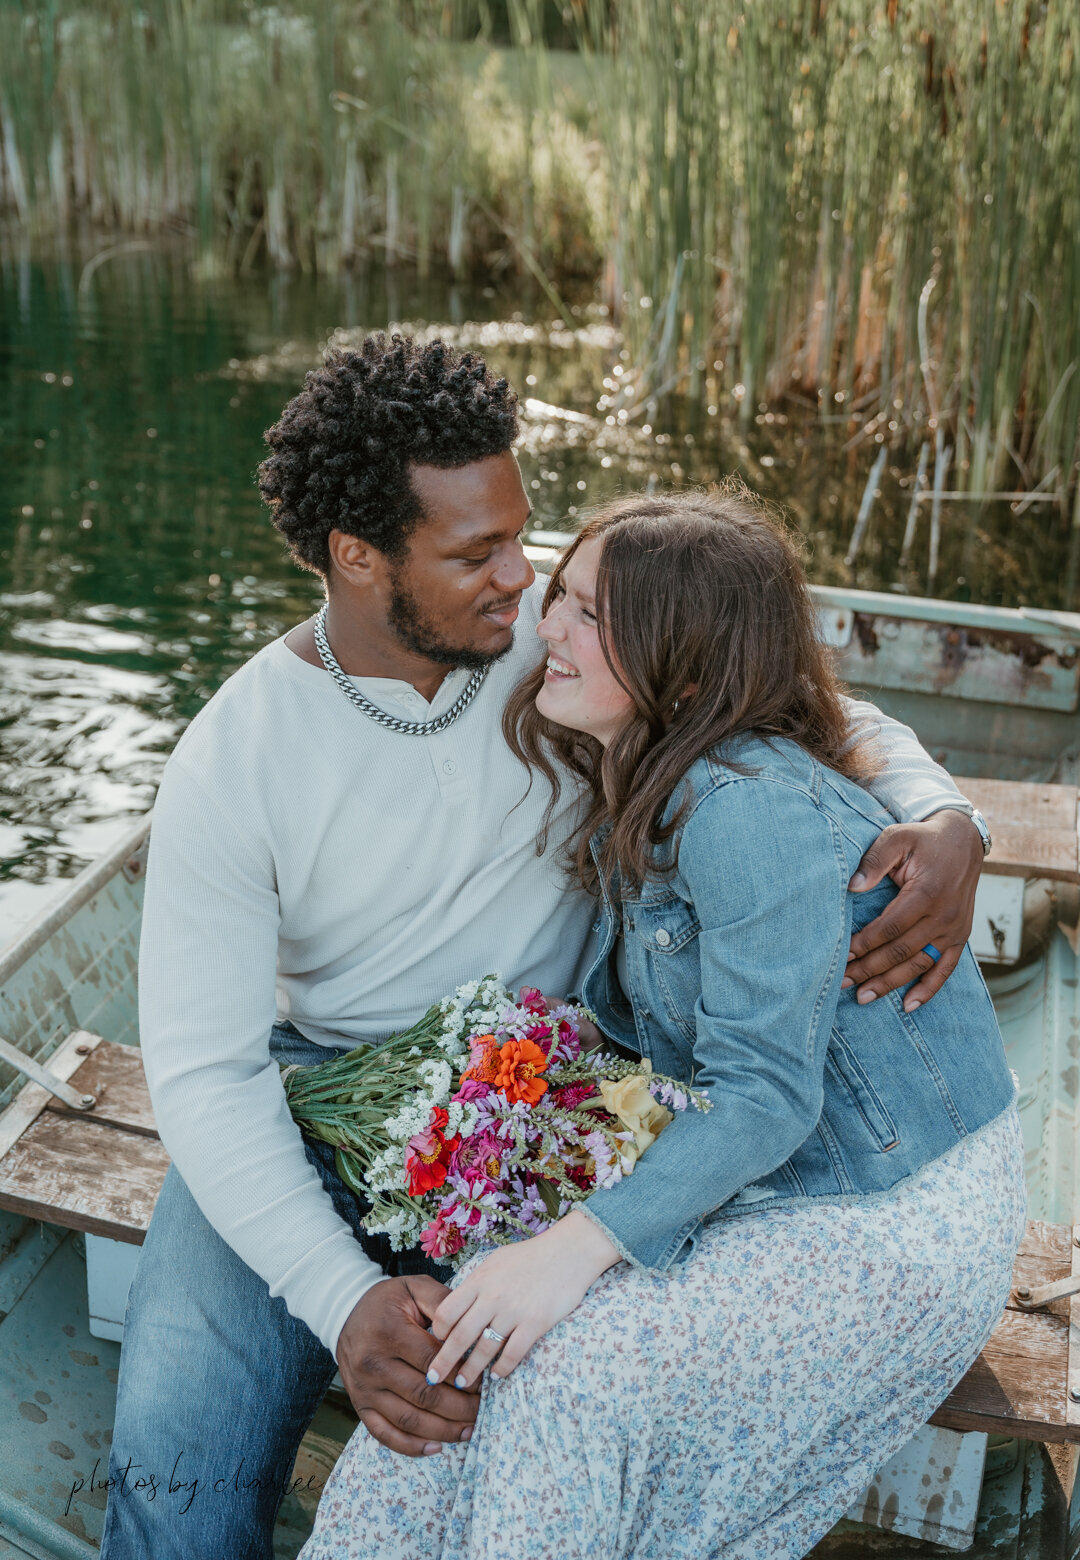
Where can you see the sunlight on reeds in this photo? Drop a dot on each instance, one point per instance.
(868, 210)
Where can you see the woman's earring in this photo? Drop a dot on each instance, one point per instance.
(675, 708)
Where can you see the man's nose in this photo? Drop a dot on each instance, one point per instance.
(516, 572)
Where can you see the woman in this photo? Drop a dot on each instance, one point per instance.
(713, 1356)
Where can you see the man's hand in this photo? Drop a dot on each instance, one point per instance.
(936, 866)
(383, 1354)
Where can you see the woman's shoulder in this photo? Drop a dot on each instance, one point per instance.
(756, 781)
(755, 756)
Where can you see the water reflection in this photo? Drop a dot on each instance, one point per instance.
(137, 568)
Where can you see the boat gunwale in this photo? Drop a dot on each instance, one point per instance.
(78, 892)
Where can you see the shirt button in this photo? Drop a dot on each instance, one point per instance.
(663, 937)
(449, 767)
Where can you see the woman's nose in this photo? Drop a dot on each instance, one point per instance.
(549, 626)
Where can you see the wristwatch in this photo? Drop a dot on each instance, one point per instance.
(984, 832)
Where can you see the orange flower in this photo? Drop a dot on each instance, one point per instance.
(518, 1065)
(483, 1060)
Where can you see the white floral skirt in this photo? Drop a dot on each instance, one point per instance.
(730, 1407)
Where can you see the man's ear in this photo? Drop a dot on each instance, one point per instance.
(356, 561)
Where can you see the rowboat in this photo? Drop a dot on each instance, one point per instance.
(993, 694)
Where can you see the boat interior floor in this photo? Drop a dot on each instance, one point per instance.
(58, 1387)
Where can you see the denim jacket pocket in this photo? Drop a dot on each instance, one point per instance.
(854, 1084)
(665, 926)
(665, 932)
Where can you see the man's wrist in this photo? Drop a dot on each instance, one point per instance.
(976, 818)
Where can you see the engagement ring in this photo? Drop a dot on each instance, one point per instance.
(496, 1337)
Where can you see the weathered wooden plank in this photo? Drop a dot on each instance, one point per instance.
(1035, 828)
(85, 1176)
(114, 1075)
(1045, 1256)
(1017, 1386)
(32, 1099)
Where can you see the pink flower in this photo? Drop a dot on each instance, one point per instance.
(440, 1238)
(472, 1089)
(541, 1035)
(478, 1159)
(572, 1094)
(532, 998)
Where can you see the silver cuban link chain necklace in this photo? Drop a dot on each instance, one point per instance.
(408, 728)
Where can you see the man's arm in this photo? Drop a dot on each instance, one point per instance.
(206, 1008)
(934, 855)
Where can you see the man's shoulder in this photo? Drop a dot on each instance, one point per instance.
(239, 704)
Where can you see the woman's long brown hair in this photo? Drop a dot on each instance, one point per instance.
(700, 591)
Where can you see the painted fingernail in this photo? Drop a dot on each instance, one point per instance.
(866, 996)
(432, 1447)
(467, 1432)
(909, 1007)
(433, 1378)
(459, 1381)
(846, 983)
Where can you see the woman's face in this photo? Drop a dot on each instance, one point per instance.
(580, 689)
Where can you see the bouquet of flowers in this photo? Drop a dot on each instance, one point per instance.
(484, 1122)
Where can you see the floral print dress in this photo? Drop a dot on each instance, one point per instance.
(732, 1406)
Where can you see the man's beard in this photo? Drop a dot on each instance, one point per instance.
(418, 634)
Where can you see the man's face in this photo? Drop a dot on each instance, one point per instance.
(454, 596)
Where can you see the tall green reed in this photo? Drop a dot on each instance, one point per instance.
(305, 136)
(872, 207)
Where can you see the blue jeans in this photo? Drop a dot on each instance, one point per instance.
(217, 1381)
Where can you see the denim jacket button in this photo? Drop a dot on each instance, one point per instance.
(663, 937)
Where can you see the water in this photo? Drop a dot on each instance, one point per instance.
(137, 566)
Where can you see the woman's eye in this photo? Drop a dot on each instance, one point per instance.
(590, 616)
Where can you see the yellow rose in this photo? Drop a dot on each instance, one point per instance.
(629, 1100)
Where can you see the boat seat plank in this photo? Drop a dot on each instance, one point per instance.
(1035, 828)
(1019, 1384)
(114, 1075)
(85, 1176)
(100, 1170)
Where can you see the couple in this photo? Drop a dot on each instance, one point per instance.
(714, 1355)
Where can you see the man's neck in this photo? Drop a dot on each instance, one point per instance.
(362, 652)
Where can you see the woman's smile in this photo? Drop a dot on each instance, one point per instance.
(559, 671)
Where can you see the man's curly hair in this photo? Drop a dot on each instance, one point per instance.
(342, 448)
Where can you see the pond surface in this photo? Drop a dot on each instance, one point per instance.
(137, 566)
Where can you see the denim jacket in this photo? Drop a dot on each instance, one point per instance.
(734, 965)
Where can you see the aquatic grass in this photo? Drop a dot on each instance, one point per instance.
(797, 189)
(869, 208)
(305, 137)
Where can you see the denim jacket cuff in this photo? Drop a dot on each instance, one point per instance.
(624, 1252)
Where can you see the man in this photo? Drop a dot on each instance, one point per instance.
(345, 810)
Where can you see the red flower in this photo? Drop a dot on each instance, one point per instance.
(427, 1155)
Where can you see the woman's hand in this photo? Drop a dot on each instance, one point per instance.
(519, 1291)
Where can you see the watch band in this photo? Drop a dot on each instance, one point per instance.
(984, 831)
